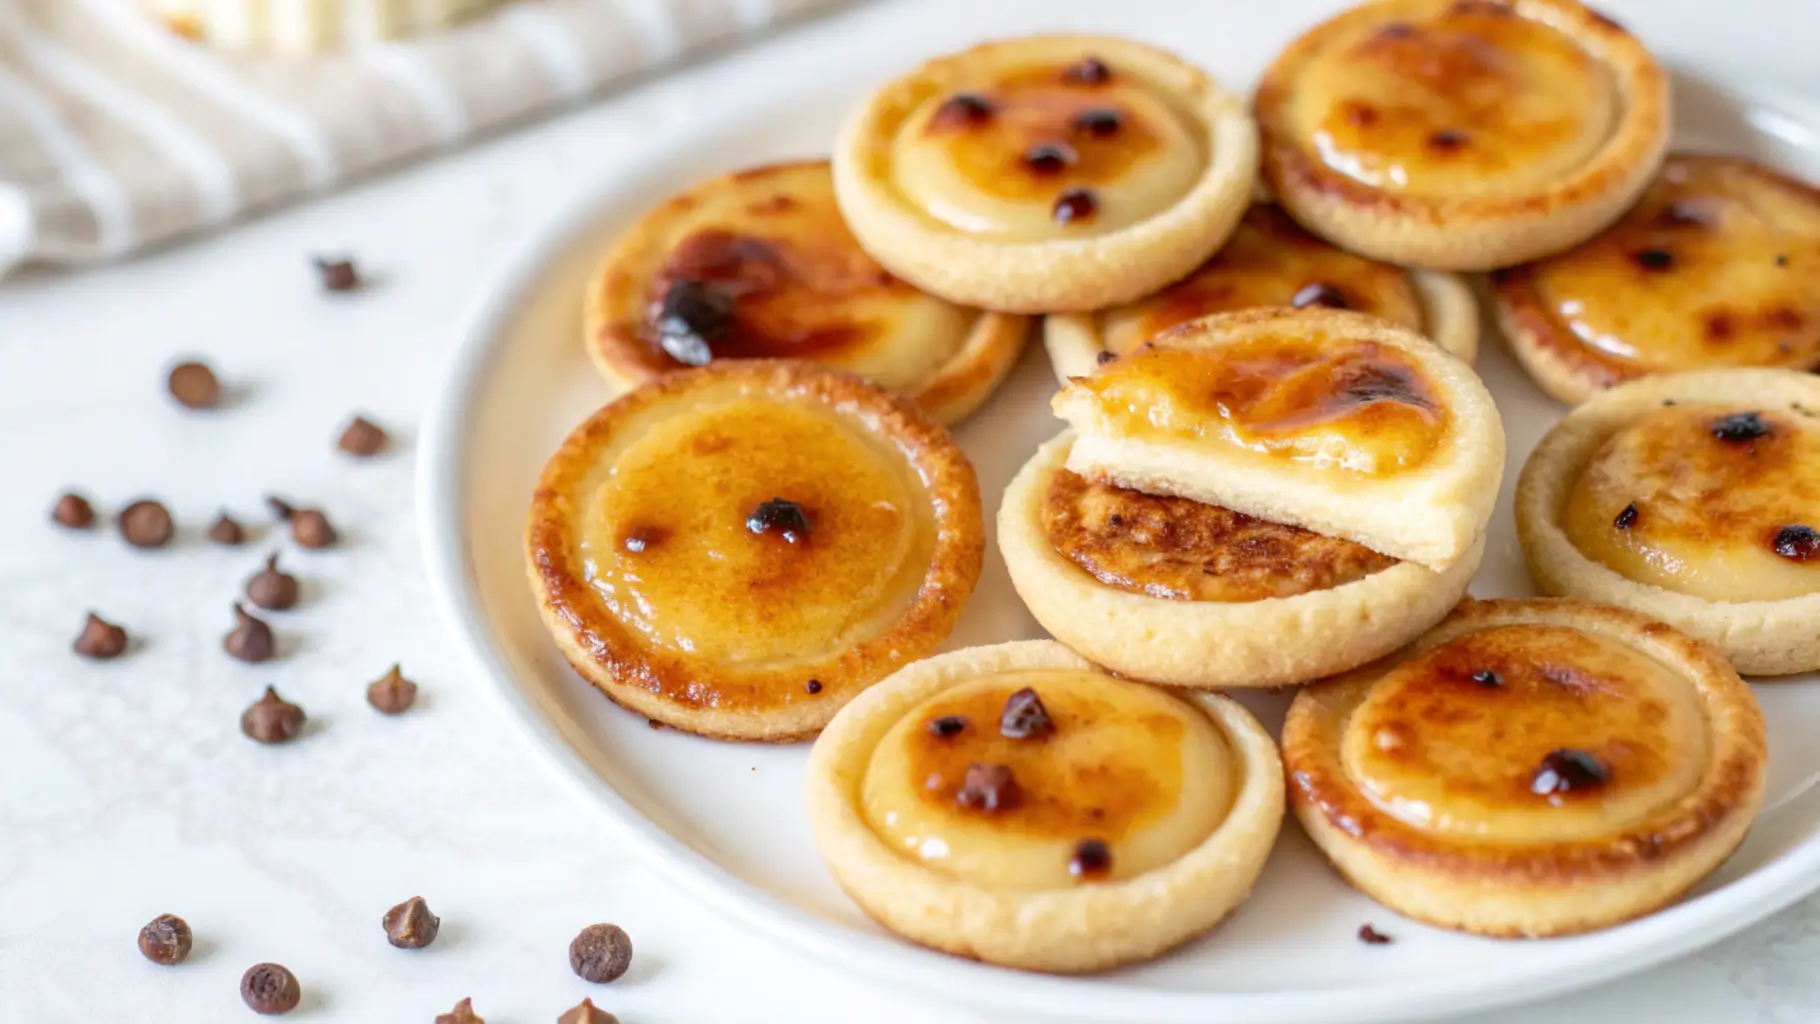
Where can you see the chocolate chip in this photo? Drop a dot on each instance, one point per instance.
(146, 524)
(988, 787)
(1654, 260)
(310, 527)
(1319, 293)
(947, 726)
(272, 719)
(362, 438)
(1797, 543)
(964, 108)
(1050, 157)
(166, 940)
(194, 386)
(690, 317)
(1565, 770)
(270, 989)
(1024, 716)
(1487, 678)
(1100, 121)
(601, 953)
(1092, 859)
(410, 925)
(100, 639)
(1105, 357)
(1626, 517)
(271, 588)
(463, 1013)
(392, 693)
(1087, 71)
(250, 640)
(1781, 259)
(1740, 427)
(73, 511)
(1448, 139)
(226, 531)
(587, 1013)
(338, 275)
(1372, 937)
(1074, 205)
(782, 517)
(813, 686)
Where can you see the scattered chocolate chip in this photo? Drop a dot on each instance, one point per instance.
(338, 275)
(1447, 140)
(1740, 427)
(362, 438)
(813, 686)
(166, 940)
(270, 989)
(271, 588)
(1105, 357)
(463, 1013)
(947, 726)
(272, 719)
(310, 527)
(1626, 517)
(964, 108)
(100, 639)
(73, 511)
(392, 693)
(1654, 260)
(410, 925)
(601, 953)
(1087, 71)
(1024, 716)
(1781, 259)
(988, 787)
(1487, 678)
(194, 386)
(587, 1013)
(690, 317)
(1372, 937)
(1074, 205)
(1565, 770)
(1797, 543)
(1319, 293)
(1050, 157)
(780, 516)
(226, 531)
(250, 640)
(1100, 121)
(146, 524)
(1092, 859)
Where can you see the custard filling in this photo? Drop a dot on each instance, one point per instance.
(1711, 501)
(1121, 779)
(1526, 733)
(1454, 99)
(1184, 550)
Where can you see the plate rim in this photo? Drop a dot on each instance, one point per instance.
(440, 481)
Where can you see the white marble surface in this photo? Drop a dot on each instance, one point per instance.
(127, 789)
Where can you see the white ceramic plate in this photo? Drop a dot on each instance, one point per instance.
(726, 820)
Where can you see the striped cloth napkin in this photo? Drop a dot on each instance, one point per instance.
(115, 134)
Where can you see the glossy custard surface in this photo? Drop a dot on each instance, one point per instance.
(1697, 499)
(1443, 747)
(1184, 550)
(1717, 265)
(1143, 772)
(994, 156)
(1454, 99)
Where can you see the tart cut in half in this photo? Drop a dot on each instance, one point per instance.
(1462, 134)
(1692, 498)
(1048, 173)
(1718, 265)
(1174, 591)
(1529, 768)
(758, 264)
(1271, 261)
(736, 551)
(1016, 805)
(1337, 422)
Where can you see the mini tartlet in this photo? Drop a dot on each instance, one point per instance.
(1016, 805)
(1173, 591)
(1271, 261)
(758, 263)
(1529, 768)
(1462, 135)
(1337, 422)
(737, 550)
(1046, 174)
(1717, 265)
(1691, 498)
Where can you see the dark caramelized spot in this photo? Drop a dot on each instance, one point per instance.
(1566, 770)
(780, 516)
(641, 537)
(1627, 517)
(813, 687)
(1075, 205)
(1447, 140)
(1740, 427)
(1092, 859)
(947, 726)
(962, 108)
(1099, 122)
(1487, 678)
(1319, 293)
(1024, 716)
(1781, 259)
(1050, 157)
(1105, 357)
(1365, 383)
(1797, 543)
(1087, 71)
(1483, 7)
(690, 317)
(1396, 30)
(1719, 327)
(1655, 261)
(989, 787)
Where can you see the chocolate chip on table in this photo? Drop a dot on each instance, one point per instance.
(587, 1013)
(1740, 427)
(392, 693)
(1654, 260)
(1092, 859)
(690, 318)
(73, 511)
(310, 527)
(1100, 121)
(947, 726)
(1797, 543)
(780, 516)
(1372, 937)
(100, 639)
(1050, 157)
(270, 989)
(338, 275)
(272, 588)
(272, 719)
(226, 531)
(463, 1013)
(146, 524)
(1087, 71)
(410, 925)
(1075, 205)
(988, 787)
(362, 438)
(194, 386)
(1626, 517)
(250, 640)
(1565, 770)
(601, 953)
(1319, 293)
(1487, 678)
(1025, 716)
(166, 940)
